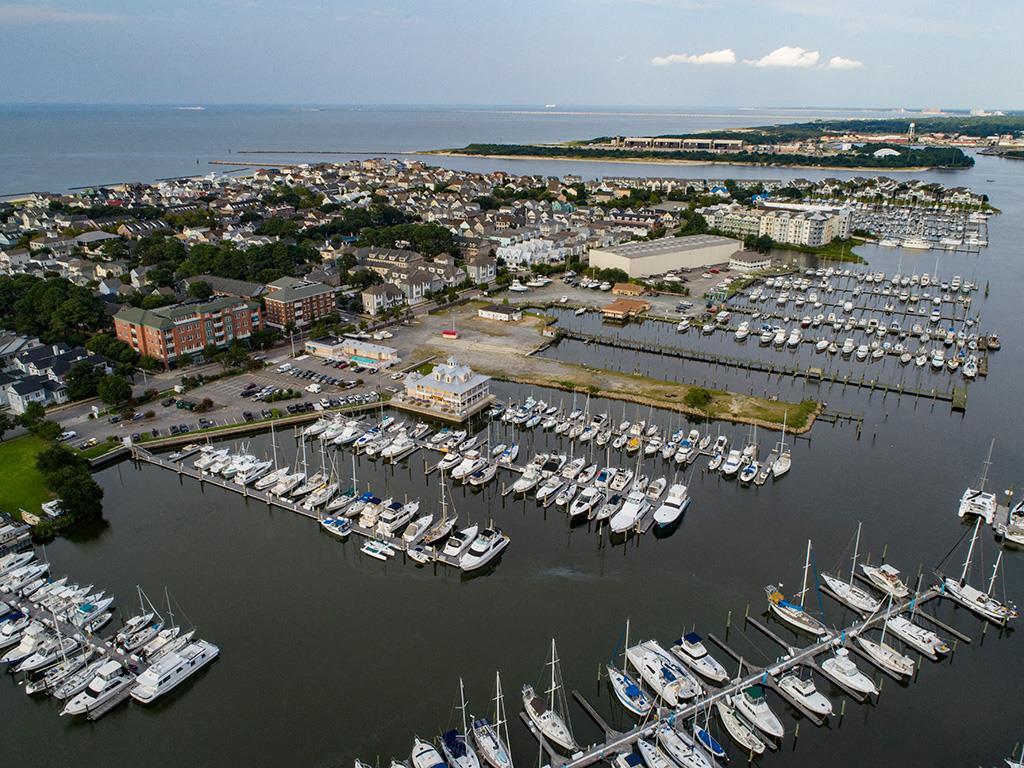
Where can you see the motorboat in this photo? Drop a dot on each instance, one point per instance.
(110, 680)
(621, 480)
(917, 637)
(472, 461)
(172, 669)
(655, 488)
(588, 500)
(527, 481)
(802, 690)
(690, 649)
(631, 512)
(731, 465)
(425, 755)
(395, 516)
(460, 541)
(488, 544)
(483, 475)
(46, 654)
(337, 526)
(666, 676)
(675, 504)
(566, 495)
(29, 640)
(842, 668)
(628, 692)
(885, 656)
(738, 729)
(587, 475)
(887, 579)
(753, 706)
(549, 489)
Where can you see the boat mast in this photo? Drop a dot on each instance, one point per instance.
(625, 646)
(807, 567)
(273, 444)
(462, 697)
(856, 551)
(970, 551)
(995, 571)
(444, 502)
(985, 466)
(500, 720)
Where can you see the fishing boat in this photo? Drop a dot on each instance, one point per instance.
(680, 748)
(841, 667)
(849, 593)
(690, 650)
(731, 465)
(488, 544)
(110, 680)
(802, 690)
(545, 714)
(737, 728)
(631, 512)
(794, 613)
(675, 504)
(491, 736)
(753, 706)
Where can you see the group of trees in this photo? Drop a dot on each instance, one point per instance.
(67, 475)
(54, 309)
(262, 263)
(429, 239)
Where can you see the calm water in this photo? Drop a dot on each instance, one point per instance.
(328, 655)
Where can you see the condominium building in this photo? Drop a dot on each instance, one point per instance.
(168, 332)
(298, 302)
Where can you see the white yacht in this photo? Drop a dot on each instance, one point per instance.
(472, 461)
(887, 579)
(752, 705)
(29, 640)
(110, 680)
(173, 669)
(396, 516)
(690, 649)
(488, 544)
(917, 637)
(674, 506)
(586, 502)
(841, 667)
(631, 512)
(732, 462)
(460, 541)
(527, 481)
(803, 690)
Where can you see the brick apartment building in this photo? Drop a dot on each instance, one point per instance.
(167, 333)
(297, 301)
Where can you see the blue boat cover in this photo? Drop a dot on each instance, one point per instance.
(788, 604)
(692, 638)
(455, 743)
(710, 742)
(634, 759)
(632, 691)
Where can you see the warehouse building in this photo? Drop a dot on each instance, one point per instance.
(655, 257)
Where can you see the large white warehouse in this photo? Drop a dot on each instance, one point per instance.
(655, 257)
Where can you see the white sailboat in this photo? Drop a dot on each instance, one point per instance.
(794, 613)
(545, 714)
(848, 592)
(455, 745)
(981, 603)
(626, 689)
(491, 736)
(784, 460)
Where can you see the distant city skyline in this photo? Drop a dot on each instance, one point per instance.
(644, 53)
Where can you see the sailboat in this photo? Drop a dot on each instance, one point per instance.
(455, 745)
(980, 603)
(848, 592)
(792, 613)
(444, 525)
(626, 689)
(491, 736)
(885, 655)
(784, 460)
(543, 713)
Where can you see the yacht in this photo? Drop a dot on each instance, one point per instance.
(549, 489)
(46, 654)
(547, 720)
(663, 673)
(472, 461)
(110, 680)
(632, 511)
(751, 704)
(588, 500)
(917, 637)
(731, 465)
(396, 516)
(803, 690)
(460, 541)
(690, 649)
(742, 331)
(674, 506)
(527, 481)
(173, 669)
(841, 667)
(490, 543)
(30, 640)
(403, 445)
(417, 529)
(887, 579)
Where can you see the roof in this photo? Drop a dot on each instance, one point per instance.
(298, 292)
(165, 317)
(750, 257)
(286, 282)
(501, 309)
(384, 289)
(227, 285)
(665, 245)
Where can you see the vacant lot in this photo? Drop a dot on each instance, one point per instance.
(23, 486)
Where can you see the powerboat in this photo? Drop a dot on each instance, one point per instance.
(887, 579)
(690, 649)
(841, 667)
(803, 690)
(172, 669)
(674, 506)
(588, 500)
(753, 706)
(631, 512)
(917, 637)
(110, 680)
(460, 541)
(485, 547)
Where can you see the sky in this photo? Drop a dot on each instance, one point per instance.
(656, 53)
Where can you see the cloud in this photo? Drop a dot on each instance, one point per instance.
(724, 56)
(14, 13)
(786, 56)
(841, 62)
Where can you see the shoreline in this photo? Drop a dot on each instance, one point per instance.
(673, 161)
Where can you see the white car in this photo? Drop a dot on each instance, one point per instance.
(283, 368)
(68, 435)
(396, 376)
(314, 388)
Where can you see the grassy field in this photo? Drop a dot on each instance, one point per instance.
(23, 486)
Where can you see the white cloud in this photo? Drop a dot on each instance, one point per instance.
(841, 62)
(786, 56)
(724, 56)
(14, 13)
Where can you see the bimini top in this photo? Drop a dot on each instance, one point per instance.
(693, 638)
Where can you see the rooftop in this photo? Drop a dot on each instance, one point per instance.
(669, 245)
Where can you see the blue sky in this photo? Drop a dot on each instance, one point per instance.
(670, 53)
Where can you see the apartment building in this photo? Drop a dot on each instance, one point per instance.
(301, 303)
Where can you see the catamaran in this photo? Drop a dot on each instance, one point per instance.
(545, 714)
(979, 502)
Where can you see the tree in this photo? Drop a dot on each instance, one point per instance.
(233, 356)
(34, 413)
(6, 424)
(113, 390)
(82, 380)
(200, 289)
(112, 348)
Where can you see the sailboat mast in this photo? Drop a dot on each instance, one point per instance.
(995, 572)
(807, 567)
(970, 552)
(856, 551)
(273, 443)
(625, 646)
(462, 697)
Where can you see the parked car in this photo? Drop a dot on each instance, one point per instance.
(69, 434)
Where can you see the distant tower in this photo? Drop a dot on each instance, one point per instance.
(911, 133)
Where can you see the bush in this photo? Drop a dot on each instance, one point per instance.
(698, 397)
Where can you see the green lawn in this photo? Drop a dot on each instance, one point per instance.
(23, 486)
